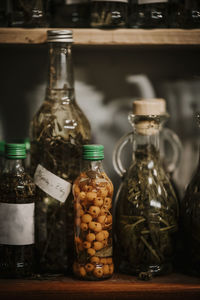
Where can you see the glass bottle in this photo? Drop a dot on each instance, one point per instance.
(58, 131)
(190, 221)
(152, 13)
(93, 193)
(2, 155)
(191, 14)
(17, 205)
(28, 13)
(146, 211)
(109, 14)
(71, 13)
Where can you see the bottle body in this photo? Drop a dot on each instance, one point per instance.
(17, 205)
(152, 14)
(71, 13)
(109, 14)
(146, 217)
(58, 131)
(93, 193)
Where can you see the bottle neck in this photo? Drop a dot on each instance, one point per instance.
(14, 166)
(60, 71)
(94, 165)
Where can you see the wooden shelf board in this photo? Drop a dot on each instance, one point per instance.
(106, 37)
(175, 286)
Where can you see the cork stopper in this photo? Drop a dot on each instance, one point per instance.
(156, 106)
(148, 107)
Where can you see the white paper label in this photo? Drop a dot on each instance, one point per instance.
(124, 1)
(17, 224)
(76, 1)
(51, 184)
(151, 1)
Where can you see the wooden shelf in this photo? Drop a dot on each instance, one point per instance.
(173, 287)
(134, 37)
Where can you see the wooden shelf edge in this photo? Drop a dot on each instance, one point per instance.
(175, 286)
(134, 37)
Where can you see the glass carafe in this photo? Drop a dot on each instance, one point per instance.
(146, 207)
(58, 131)
(190, 221)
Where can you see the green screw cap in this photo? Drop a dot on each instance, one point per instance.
(93, 152)
(15, 151)
(2, 148)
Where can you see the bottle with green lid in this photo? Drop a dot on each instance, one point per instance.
(109, 14)
(17, 207)
(93, 193)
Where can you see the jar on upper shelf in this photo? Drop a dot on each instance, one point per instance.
(146, 208)
(109, 14)
(58, 131)
(93, 193)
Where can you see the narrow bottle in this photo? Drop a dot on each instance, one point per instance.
(146, 211)
(109, 14)
(28, 13)
(93, 193)
(58, 131)
(71, 13)
(152, 13)
(17, 205)
(190, 221)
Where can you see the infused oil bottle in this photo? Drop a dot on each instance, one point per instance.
(93, 193)
(58, 131)
(17, 207)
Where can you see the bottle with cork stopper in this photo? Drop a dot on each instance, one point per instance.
(146, 208)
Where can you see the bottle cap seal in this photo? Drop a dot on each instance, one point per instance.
(154, 106)
(60, 36)
(15, 151)
(93, 152)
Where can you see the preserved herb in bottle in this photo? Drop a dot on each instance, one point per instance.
(71, 13)
(93, 193)
(190, 220)
(58, 131)
(17, 204)
(28, 13)
(146, 208)
(109, 14)
(153, 13)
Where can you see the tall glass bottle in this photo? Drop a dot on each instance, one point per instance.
(17, 205)
(58, 131)
(71, 13)
(147, 208)
(152, 13)
(93, 193)
(109, 13)
(190, 221)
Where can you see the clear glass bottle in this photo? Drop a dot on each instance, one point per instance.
(17, 205)
(93, 193)
(28, 13)
(191, 14)
(152, 13)
(146, 207)
(190, 223)
(109, 14)
(58, 131)
(71, 13)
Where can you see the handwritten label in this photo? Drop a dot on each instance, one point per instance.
(17, 224)
(51, 184)
(151, 1)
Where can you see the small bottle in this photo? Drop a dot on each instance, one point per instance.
(191, 14)
(109, 14)
(152, 13)
(93, 193)
(71, 13)
(2, 155)
(25, 13)
(17, 205)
